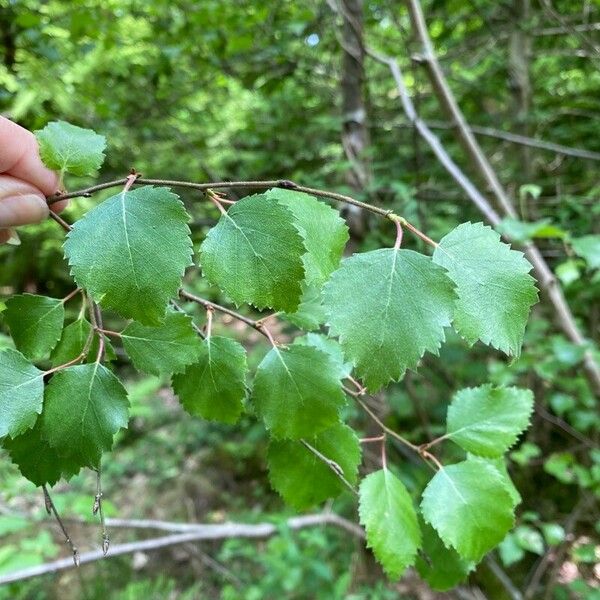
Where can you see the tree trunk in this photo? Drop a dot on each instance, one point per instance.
(355, 135)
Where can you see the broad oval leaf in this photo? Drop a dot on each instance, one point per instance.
(214, 387)
(21, 393)
(487, 420)
(131, 251)
(386, 510)
(322, 229)
(302, 478)
(470, 507)
(254, 254)
(71, 149)
(168, 348)
(35, 323)
(495, 290)
(84, 407)
(388, 307)
(39, 462)
(297, 392)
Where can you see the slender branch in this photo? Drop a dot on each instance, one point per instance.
(207, 304)
(281, 183)
(99, 509)
(198, 533)
(60, 221)
(51, 508)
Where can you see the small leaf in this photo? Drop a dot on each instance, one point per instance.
(500, 465)
(84, 407)
(21, 393)
(388, 515)
(388, 307)
(254, 254)
(35, 323)
(487, 420)
(495, 290)
(131, 251)
(73, 341)
(214, 386)
(297, 391)
(71, 149)
(442, 568)
(329, 346)
(469, 506)
(322, 229)
(302, 478)
(37, 460)
(588, 247)
(168, 348)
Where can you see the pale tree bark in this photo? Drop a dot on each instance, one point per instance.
(547, 282)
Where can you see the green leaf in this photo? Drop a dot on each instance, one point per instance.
(330, 347)
(487, 420)
(310, 314)
(302, 478)
(495, 290)
(510, 552)
(442, 568)
(131, 251)
(84, 407)
(254, 254)
(168, 348)
(214, 386)
(588, 247)
(297, 391)
(388, 307)
(388, 515)
(500, 465)
(470, 507)
(72, 344)
(21, 393)
(529, 539)
(71, 149)
(519, 231)
(37, 460)
(35, 323)
(322, 229)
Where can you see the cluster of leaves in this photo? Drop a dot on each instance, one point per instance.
(280, 250)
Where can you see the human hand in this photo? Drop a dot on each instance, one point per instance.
(24, 180)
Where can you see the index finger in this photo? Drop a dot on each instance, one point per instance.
(19, 157)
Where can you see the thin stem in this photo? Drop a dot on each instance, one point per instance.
(52, 509)
(268, 334)
(130, 180)
(195, 327)
(399, 233)
(60, 221)
(339, 472)
(368, 440)
(216, 201)
(209, 319)
(109, 332)
(360, 389)
(71, 295)
(222, 309)
(98, 509)
(383, 454)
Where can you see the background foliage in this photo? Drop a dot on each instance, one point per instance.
(251, 90)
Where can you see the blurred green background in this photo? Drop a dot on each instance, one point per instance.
(218, 90)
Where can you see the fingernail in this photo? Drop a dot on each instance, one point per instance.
(13, 238)
(20, 210)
